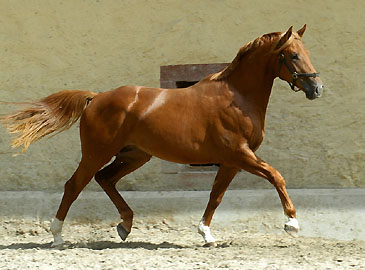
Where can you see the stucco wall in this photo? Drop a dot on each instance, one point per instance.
(46, 46)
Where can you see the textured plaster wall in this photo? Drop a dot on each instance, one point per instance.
(47, 46)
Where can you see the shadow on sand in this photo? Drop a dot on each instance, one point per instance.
(100, 245)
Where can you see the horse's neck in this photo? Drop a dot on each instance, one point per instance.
(253, 80)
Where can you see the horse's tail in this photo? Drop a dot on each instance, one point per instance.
(37, 119)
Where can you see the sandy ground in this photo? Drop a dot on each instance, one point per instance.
(26, 245)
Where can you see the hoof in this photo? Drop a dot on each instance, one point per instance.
(123, 233)
(292, 231)
(57, 244)
(210, 245)
(292, 227)
(57, 241)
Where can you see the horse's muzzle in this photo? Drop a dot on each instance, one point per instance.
(313, 90)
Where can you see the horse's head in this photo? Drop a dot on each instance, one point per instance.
(294, 65)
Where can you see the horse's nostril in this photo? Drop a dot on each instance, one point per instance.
(319, 90)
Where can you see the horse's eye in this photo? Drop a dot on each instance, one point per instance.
(295, 56)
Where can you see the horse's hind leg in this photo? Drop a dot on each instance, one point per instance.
(128, 160)
(221, 183)
(73, 187)
(114, 171)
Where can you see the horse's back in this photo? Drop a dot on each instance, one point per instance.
(180, 125)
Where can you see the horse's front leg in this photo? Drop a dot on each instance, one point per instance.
(221, 183)
(253, 164)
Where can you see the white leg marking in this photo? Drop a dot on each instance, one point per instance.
(293, 222)
(292, 227)
(205, 232)
(56, 229)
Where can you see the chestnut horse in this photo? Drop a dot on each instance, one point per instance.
(219, 120)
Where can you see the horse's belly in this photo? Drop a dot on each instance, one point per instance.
(178, 149)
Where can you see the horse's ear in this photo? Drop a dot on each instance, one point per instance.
(284, 39)
(287, 35)
(302, 30)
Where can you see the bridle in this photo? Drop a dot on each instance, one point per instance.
(294, 74)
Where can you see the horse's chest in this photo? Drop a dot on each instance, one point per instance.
(247, 127)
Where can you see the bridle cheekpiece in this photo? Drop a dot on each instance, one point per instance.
(294, 74)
